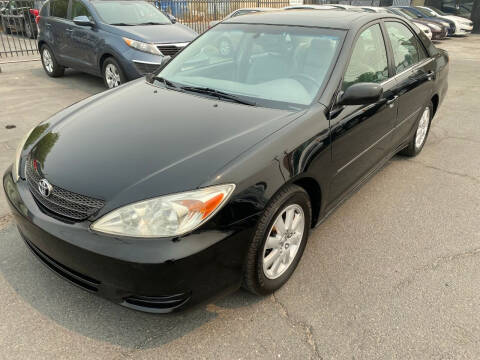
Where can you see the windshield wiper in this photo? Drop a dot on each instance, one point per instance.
(122, 24)
(167, 83)
(218, 94)
(152, 23)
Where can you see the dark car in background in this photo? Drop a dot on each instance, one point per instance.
(415, 13)
(209, 175)
(117, 40)
(19, 17)
(439, 31)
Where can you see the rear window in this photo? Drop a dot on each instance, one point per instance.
(59, 8)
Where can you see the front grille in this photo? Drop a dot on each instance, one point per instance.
(61, 202)
(145, 68)
(170, 49)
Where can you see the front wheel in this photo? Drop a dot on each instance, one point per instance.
(279, 241)
(112, 73)
(418, 140)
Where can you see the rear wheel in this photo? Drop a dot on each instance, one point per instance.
(418, 140)
(112, 73)
(50, 64)
(5, 27)
(29, 33)
(279, 241)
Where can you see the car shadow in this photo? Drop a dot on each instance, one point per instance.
(92, 316)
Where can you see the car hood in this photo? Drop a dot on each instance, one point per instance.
(168, 33)
(139, 141)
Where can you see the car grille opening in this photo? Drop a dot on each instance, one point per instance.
(145, 68)
(61, 202)
(73, 276)
(157, 302)
(170, 49)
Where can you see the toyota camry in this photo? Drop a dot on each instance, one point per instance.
(208, 174)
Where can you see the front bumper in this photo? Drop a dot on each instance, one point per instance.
(152, 275)
(136, 64)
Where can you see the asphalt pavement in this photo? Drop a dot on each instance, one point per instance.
(394, 273)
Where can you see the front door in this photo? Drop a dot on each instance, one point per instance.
(83, 39)
(361, 135)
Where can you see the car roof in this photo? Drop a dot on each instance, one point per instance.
(343, 19)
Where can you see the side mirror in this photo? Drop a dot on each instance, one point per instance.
(361, 94)
(172, 18)
(83, 21)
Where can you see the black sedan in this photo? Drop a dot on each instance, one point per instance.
(210, 173)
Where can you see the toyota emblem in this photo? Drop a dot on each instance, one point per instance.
(44, 188)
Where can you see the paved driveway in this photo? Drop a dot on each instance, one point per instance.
(393, 273)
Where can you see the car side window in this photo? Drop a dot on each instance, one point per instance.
(369, 59)
(79, 9)
(59, 8)
(407, 49)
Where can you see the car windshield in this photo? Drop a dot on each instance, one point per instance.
(438, 11)
(130, 13)
(427, 12)
(268, 65)
(410, 13)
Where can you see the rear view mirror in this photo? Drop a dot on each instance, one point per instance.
(361, 94)
(83, 21)
(172, 18)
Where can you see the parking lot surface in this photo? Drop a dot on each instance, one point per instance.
(394, 273)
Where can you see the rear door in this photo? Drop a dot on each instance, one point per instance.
(361, 135)
(414, 72)
(56, 26)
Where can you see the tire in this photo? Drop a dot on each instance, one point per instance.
(29, 32)
(260, 277)
(419, 138)
(112, 73)
(5, 27)
(50, 64)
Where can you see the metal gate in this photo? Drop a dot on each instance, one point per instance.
(18, 29)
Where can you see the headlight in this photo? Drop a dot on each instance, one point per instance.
(170, 215)
(18, 156)
(141, 46)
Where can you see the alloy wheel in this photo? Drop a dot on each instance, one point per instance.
(47, 60)
(422, 128)
(112, 76)
(283, 241)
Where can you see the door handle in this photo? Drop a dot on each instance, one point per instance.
(390, 102)
(69, 30)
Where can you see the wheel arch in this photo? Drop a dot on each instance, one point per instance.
(435, 101)
(314, 191)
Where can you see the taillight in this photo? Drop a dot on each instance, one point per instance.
(37, 19)
(34, 12)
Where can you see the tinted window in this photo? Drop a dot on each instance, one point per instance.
(407, 49)
(369, 59)
(79, 9)
(58, 8)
